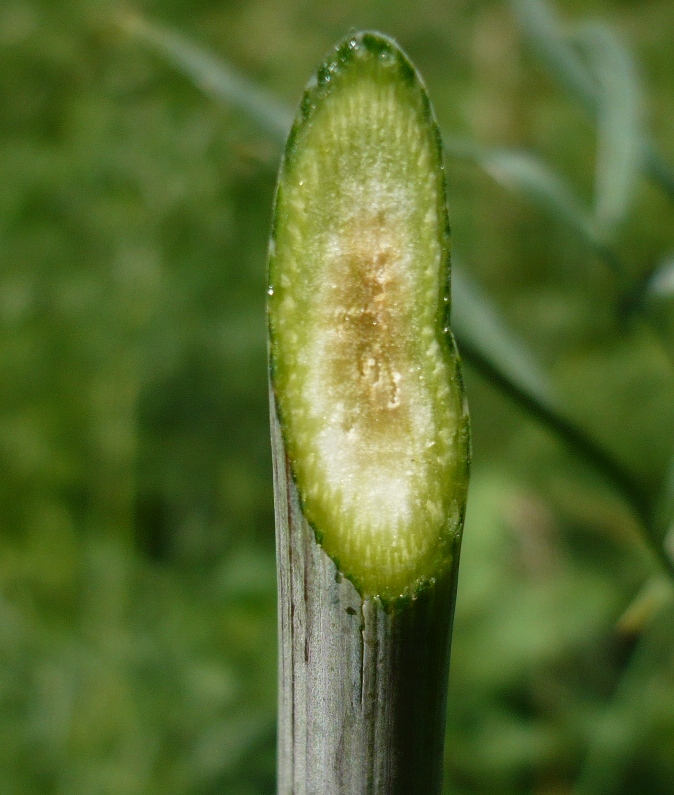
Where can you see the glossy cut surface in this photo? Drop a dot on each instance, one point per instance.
(363, 366)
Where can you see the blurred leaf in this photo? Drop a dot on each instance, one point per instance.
(215, 76)
(476, 321)
(523, 173)
(542, 26)
(619, 132)
(661, 282)
(659, 169)
(653, 295)
(654, 595)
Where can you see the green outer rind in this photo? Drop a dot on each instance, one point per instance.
(320, 86)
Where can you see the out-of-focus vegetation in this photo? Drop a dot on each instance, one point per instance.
(137, 592)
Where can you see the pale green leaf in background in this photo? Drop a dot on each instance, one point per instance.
(661, 282)
(476, 321)
(542, 27)
(525, 174)
(215, 76)
(619, 124)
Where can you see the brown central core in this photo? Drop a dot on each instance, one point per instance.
(367, 350)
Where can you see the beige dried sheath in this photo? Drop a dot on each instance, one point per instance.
(364, 371)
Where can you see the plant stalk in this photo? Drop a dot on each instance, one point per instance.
(362, 684)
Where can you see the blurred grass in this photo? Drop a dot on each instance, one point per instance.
(137, 594)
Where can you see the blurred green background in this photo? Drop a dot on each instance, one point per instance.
(137, 585)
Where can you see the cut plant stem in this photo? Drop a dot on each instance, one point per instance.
(369, 431)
